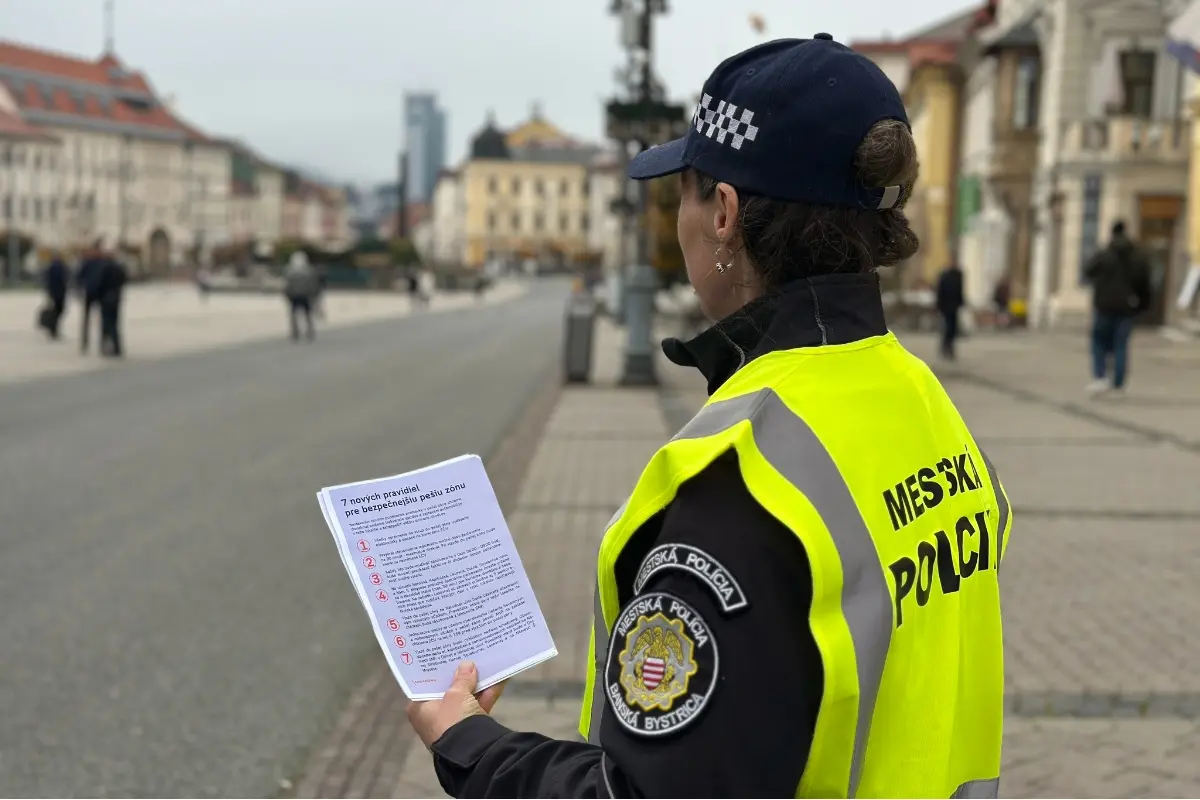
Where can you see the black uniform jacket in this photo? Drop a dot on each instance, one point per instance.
(751, 736)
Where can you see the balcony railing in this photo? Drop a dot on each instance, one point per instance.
(1119, 139)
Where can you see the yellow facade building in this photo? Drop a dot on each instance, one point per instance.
(927, 70)
(526, 195)
(932, 98)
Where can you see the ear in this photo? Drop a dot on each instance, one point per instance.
(726, 213)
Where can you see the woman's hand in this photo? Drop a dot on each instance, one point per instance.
(432, 718)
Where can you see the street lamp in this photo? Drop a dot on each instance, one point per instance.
(635, 122)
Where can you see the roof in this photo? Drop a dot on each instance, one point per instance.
(944, 36)
(57, 89)
(1021, 36)
(928, 54)
(13, 127)
(572, 153)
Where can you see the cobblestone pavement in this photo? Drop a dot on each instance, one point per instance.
(167, 319)
(1100, 585)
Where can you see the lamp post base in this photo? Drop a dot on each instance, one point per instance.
(639, 370)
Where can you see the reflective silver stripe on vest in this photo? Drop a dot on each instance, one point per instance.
(793, 449)
(1002, 501)
(978, 790)
(600, 632)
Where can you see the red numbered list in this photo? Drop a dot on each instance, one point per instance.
(393, 624)
(406, 658)
(369, 562)
(399, 641)
(364, 545)
(382, 595)
(376, 580)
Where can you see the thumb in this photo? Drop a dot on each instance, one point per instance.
(466, 677)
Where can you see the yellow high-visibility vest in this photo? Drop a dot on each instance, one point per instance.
(859, 451)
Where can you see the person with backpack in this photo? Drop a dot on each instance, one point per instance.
(1120, 279)
(301, 287)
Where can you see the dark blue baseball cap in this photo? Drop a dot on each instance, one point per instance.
(784, 120)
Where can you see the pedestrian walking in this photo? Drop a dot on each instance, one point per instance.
(950, 301)
(301, 287)
(799, 598)
(204, 282)
(416, 291)
(110, 291)
(1001, 298)
(56, 280)
(319, 298)
(87, 281)
(1120, 279)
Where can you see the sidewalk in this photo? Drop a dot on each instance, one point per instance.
(1100, 585)
(169, 319)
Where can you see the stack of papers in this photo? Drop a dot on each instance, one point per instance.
(435, 567)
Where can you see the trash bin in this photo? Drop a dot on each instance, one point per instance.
(577, 347)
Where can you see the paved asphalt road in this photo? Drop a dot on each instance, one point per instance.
(174, 619)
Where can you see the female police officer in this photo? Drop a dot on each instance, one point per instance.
(799, 598)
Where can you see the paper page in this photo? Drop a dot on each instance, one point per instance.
(442, 580)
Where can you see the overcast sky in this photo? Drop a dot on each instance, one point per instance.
(318, 83)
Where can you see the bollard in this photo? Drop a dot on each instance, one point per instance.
(577, 345)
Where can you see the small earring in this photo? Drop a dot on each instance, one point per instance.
(722, 267)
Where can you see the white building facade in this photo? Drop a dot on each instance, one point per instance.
(1113, 143)
(30, 188)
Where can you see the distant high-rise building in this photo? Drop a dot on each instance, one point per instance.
(425, 140)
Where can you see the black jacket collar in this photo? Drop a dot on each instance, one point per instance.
(828, 309)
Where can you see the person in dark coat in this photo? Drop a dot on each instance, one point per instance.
(57, 280)
(87, 281)
(109, 291)
(1120, 279)
(950, 300)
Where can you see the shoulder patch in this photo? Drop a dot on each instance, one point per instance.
(712, 573)
(662, 665)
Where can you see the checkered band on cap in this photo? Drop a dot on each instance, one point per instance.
(724, 122)
(784, 120)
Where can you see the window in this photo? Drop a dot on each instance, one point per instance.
(52, 209)
(80, 100)
(491, 185)
(516, 185)
(47, 95)
(539, 222)
(37, 209)
(564, 222)
(24, 215)
(564, 188)
(37, 160)
(1026, 93)
(538, 187)
(491, 220)
(585, 188)
(1137, 83)
(8, 206)
(516, 222)
(6, 155)
(584, 221)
